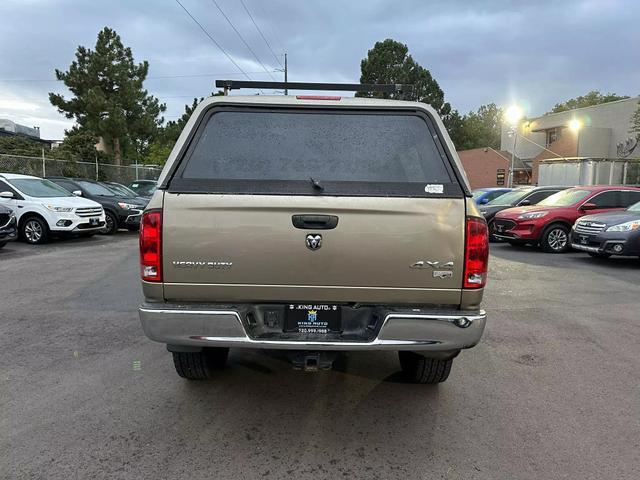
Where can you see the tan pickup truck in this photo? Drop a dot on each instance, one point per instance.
(315, 225)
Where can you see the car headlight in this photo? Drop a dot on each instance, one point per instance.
(53, 208)
(625, 227)
(129, 206)
(532, 215)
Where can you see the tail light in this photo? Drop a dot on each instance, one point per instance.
(476, 253)
(151, 246)
(317, 97)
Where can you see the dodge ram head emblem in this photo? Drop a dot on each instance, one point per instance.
(314, 241)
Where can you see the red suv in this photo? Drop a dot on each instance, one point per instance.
(549, 222)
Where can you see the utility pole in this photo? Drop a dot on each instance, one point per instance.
(286, 90)
(513, 157)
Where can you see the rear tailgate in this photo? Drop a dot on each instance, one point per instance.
(228, 229)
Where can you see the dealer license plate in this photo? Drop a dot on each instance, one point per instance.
(312, 318)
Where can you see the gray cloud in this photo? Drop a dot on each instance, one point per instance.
(538, 53)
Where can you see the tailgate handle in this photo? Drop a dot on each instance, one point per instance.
(315, 222)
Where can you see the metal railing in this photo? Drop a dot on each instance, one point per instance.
(44, 166)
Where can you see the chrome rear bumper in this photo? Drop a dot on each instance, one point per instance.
(410, 330)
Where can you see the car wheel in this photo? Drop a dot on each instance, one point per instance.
(34, 230)
(490, 227)
(555, 239)
(2, 244)
(599, 254)
(111, 224)
(200, 365)
(419, 369)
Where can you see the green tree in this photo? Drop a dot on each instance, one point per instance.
(480, 129)
(389, 62)
(594, 97)
(162, 145)
(635, 122)
(79, 144)
(108, 96)
(19, 145)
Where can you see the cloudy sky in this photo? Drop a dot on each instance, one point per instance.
(480, 51)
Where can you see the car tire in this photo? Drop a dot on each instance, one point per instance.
(200, 365)
(492, 239)
(111, 224)
(34, 230)
(419, 369)
(2, 244)
(555, 239)
(599, 254)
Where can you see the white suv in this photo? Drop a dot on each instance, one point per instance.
(43, 208)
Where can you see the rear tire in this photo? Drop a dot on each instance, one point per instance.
(419, 369)
(555, 239)
(200, 365)
(2, 244)
(599, 255)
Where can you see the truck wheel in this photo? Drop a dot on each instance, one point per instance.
(419, 369)
(200, 365)
(34, 230)
(555, 239)
(599, 254)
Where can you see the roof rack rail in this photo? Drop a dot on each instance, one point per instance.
(346, 87)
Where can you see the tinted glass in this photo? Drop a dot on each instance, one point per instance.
(96, 189)
(495, 194)
(39, 187)
(538, 196)
(478, 193)
(565, 198)
(326, 146)
(511, 198)
(629, 198)
(607, 200)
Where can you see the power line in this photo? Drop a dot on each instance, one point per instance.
(273, 33)
(242, 38)
(157, 77)
(213, 40)
(260, 32)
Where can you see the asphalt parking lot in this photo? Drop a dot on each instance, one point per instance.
(553, 390)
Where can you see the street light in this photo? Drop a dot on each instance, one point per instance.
(513, 115)
(575, 125)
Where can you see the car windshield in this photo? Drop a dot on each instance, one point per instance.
(39, 187)
(634, 208)
(565, 198)
(510, 198)
(478, 193)
(144, 188)
(121, 190)
(96, 189)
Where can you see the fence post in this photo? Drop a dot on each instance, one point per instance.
(97, 172)
(44, 167)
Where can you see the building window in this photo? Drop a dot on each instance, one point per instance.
(553, 134)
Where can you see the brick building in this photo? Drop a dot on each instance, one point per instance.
(486, 167)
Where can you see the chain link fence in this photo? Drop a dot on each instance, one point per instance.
(50, 167)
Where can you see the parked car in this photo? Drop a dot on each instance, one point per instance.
(144, 188)
(520, 196)
(43, 208)
(8, 223)
(125, 191)
(120, 211)
(273, 241)
(486, 195)
(606, 234)
(549, 222)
